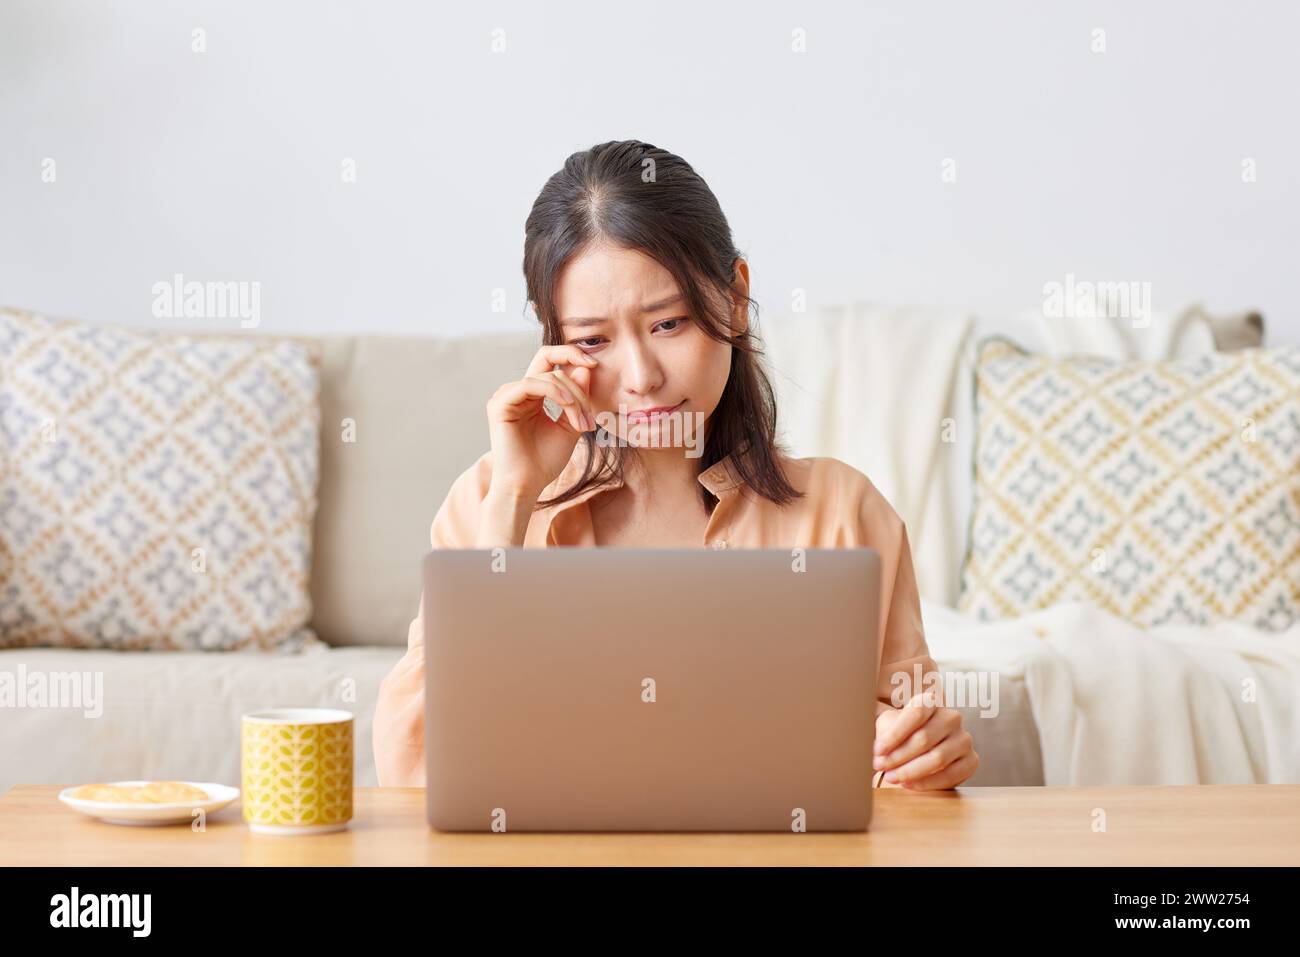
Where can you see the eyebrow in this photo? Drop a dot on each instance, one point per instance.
(648, 307)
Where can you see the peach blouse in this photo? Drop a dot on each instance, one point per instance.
(840, 509)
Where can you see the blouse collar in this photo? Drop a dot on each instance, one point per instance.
(720, 478)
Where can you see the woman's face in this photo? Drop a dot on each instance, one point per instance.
(625, 309)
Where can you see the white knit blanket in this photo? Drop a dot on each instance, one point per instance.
(1115, 705)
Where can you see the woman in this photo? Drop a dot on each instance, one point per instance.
(646, 420)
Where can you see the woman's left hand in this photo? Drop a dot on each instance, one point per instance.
(923, 746)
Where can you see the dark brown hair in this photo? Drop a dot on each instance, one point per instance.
(636, 196)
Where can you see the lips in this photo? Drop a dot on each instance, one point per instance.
(641, 415)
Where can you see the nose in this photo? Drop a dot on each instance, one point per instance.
(642, 373)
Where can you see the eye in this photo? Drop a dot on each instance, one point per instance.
(672, 325)
(588, 343)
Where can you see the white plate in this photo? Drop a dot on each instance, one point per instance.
(219, 795)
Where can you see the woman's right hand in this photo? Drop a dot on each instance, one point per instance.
(529, 450)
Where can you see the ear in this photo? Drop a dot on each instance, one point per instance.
(740, 287)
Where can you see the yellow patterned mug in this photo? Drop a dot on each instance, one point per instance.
(297, 770)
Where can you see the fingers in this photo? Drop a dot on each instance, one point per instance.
(933, 761)
(575, 412)
(942, 723)
(547, 363)
(950, 777)
(548, 356)
(902, 723)
(513, 397)
(583, 400)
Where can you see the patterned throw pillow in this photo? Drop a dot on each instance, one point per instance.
(157, 490)
(1162, 491)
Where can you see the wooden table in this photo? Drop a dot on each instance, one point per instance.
(1231, 825)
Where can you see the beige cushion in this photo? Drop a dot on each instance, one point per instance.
(1234, 331)
(843, 392)
(175, 716)
(1161, 491)
(401, 418)
(157, 489)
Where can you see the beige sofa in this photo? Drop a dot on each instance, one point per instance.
(415, 410)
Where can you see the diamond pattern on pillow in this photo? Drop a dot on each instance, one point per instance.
(157, 490)
(1162, 491)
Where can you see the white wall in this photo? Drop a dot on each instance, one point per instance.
(1122, 165)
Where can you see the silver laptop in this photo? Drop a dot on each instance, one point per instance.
(607, 689)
